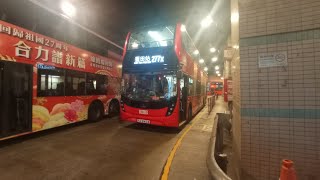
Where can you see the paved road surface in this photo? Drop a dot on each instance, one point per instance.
(110, 150)
(103, 150)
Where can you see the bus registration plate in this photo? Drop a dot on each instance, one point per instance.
(143, 112)
(143, 121)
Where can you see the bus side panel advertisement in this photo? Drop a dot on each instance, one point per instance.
(21, 45)
(44, 53)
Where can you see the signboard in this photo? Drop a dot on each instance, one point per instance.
(228, 90)
(273, 59)
(228, 53)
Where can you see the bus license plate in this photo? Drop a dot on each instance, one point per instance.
(143, 112)
(143, 121)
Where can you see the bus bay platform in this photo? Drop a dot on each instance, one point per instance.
(110, 149)
(190, 159)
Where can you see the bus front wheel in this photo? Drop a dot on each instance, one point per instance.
(95, 112)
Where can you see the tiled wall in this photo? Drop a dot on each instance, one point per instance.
(280, 106)
(261, 17)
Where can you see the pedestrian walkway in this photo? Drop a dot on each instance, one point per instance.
(190, 159)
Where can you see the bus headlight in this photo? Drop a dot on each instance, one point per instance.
(122, 106)
(170, 109)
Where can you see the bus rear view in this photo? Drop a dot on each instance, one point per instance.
(152, 81)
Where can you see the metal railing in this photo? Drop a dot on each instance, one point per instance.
(214, 169)
(211, 103)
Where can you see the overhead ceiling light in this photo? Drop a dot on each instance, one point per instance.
(183, 28)
(135, 45)
(201, 61)
(196, 52)
(235, 17)
(205, 69)
(214, 59)
(222, 78)
(219, 75)
(68, 9)
(236, 46)
(206, 22)
(217, 72)
(212, 49)
(216, 67)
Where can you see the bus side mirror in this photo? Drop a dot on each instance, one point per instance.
(179, 74)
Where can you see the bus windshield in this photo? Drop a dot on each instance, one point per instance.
(149, 87)
(153, 37)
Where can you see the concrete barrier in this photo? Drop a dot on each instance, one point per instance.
(213, 167)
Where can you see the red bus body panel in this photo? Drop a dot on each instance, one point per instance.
(158, 116)
(49, 112)
(155, 116)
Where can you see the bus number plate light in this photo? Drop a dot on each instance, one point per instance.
(145, 112)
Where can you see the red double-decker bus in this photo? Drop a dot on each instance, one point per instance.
(215, 88)
(45, 83)
(162, 82)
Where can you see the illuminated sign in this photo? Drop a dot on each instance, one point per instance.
(148, 59)
(42, 66)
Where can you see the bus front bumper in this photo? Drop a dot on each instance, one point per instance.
(168, 121)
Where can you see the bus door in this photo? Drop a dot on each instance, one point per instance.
(184, 97)
(15, 98)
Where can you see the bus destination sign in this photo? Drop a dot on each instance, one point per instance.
(148, 59)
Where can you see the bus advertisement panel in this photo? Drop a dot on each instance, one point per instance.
(162, 82)
(45, 83)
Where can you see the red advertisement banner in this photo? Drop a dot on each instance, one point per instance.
(21, 45)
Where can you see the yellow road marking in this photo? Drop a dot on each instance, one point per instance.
(166, 170)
